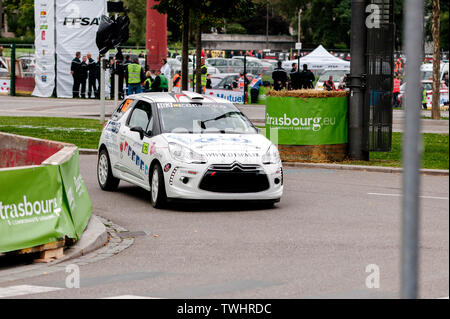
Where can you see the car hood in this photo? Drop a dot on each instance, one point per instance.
(224, 148)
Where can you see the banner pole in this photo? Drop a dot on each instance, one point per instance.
(102, 90)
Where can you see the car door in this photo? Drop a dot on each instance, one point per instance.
(135, 147)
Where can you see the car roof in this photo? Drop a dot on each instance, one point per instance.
(184, 97)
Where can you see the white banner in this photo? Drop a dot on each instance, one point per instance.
(229, 95)
(44, 15)
(76, 28)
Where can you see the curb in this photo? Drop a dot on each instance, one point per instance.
(376, 169)
(94, 237)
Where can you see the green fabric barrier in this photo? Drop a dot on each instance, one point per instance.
(312, 121)
(39, 205)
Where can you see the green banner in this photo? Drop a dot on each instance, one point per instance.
(43, 204)
(313, 121)
(76, 194)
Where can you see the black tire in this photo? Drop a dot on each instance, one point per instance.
(158, 197)
(105, 178)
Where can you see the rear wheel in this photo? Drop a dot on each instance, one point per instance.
(158, 197)
(105, 178)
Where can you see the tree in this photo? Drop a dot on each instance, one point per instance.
(436, 107)
(137, 11)
(20, 24)
(179, 12)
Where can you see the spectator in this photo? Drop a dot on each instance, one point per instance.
(84, 68)
(328, 85)
(306, 78)
(135, 76)
(97, 77)
(92, 68)
(75, 71)
(165, 69)
(295, 79)
(254, 88)
(279, 77)
(396, 90)
(208, 81)
(160, 84)
(235, 83)
(148, 81)
(177, 82)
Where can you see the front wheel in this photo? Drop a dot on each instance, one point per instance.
(158, 197)
(105, 178)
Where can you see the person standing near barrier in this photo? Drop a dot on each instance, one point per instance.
(279, 77)
(328, 85)
(306, 78)
(254, 88)
(177, 82)
(135, 76)
(294, 75)
(161, 83)
(84, 68)
(75, 71)
(92, 69)
(396, 90)
(165, 69)
(148, 81)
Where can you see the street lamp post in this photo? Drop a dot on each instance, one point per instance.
(413, 44)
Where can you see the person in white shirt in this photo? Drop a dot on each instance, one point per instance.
(165, 69)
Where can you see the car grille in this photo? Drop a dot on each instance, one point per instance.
(234, 178)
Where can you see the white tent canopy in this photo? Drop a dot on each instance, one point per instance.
(319, 59)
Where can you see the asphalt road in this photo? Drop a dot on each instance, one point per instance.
(316, 243)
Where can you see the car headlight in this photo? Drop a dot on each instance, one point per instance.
(185, 155)
(272, 156)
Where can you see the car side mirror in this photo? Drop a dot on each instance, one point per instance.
(138, 129)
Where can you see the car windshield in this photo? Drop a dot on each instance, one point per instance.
(203, 118)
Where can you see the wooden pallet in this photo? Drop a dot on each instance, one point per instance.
(48, 252)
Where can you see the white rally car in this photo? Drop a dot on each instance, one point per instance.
(188, 146)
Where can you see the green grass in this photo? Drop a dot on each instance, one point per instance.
(435, 154)
(83, 133)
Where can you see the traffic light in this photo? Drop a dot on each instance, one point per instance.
(112, 32)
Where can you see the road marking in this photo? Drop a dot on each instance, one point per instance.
(22, 290)
(400, 195)
(130, 297)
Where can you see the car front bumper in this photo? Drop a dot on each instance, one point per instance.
(183, 182)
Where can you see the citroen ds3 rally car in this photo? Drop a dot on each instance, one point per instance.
(187, 146)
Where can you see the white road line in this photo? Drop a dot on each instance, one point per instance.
(400, 195)
(23, 290)
(129, 297)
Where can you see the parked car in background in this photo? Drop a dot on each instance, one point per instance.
(227, 79)
(268, 67)
(426, 71)
(28, 64)
(427, 85)
(3, 68)
(226, 65)
(254, 65)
